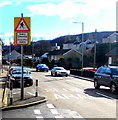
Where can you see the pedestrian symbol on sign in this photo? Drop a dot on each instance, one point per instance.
(22, 25)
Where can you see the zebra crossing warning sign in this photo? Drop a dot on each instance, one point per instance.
(22, 33)
(22, 26)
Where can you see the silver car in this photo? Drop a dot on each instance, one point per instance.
(59, 71)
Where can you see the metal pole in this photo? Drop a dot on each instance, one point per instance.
(22, 81)
(11, 95)
(82, 48)
(32, 53)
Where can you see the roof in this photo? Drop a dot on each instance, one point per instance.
(58, 52)
(113, 52)
(61, 52)
(13, 55)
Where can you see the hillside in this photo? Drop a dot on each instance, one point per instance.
(72, 38)
(92, 36)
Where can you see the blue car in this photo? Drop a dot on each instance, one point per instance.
(42, 67)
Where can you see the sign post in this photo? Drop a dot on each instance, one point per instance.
(22, 37)
(22, 33)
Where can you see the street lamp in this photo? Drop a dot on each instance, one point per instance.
(82, 42)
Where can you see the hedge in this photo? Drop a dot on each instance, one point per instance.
(86, 73)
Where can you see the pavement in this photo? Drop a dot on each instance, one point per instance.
(3, 78)
(28, 100)
(84, 78)
(5, 103)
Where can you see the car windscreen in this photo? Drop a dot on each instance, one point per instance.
(59, 68)
(114, 71)
(19, 72)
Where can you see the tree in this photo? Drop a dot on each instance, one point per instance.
(45, 61)
(43, 47)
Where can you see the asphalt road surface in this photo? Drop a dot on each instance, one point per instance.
(68, 97)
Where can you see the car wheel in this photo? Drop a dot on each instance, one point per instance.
(66, 75)
(51, 74)
(96, 85)
(113, 88)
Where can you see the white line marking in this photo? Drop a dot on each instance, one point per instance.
(30, 93)
(104, 95)
(76, 116)
(59, 117)
(37, 112)
(54, 111)
(50, 106)
(39, 116)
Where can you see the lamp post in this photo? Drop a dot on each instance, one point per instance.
(82, 46)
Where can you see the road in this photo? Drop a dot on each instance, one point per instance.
(69, 97)
(69, 93)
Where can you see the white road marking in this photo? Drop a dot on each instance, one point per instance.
(71, 96)
(50, 106)
(37, 112)
(31, 93)
(75, 116)
(54, 111)
(104, 95)
(59, 117)
(39, 116)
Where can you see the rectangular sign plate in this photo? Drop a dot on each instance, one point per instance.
(22, 38)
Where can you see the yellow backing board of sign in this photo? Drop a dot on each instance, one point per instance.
(22, 31)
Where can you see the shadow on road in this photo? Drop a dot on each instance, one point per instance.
(102, 92)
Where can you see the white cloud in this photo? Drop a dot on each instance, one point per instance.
(5, 3)
(72, 8)
(18, 3)
(7, 38)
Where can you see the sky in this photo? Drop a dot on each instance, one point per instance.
(54, 18)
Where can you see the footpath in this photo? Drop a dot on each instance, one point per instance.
(3, 97)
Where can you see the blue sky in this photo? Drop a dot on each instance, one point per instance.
(53, 18)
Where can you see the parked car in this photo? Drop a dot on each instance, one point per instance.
(13, 68)
(42, 67)
(59, 71)
(89, 69)
(16, 75)
(107, 76)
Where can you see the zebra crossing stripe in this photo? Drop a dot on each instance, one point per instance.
(37, 112)
(50, 106)
(39, 116)
(54, 111)
(58, 117)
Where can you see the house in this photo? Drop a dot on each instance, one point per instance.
(11, 56)
(71, 58)
(111, 38)
(113, 56)
(78, 45)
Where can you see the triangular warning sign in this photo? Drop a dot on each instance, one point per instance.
(22, 26)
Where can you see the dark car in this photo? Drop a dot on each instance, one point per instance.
(42, 67)
(15, 77)
(107, 76)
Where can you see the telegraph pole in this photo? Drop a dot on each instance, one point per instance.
(95, 48)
